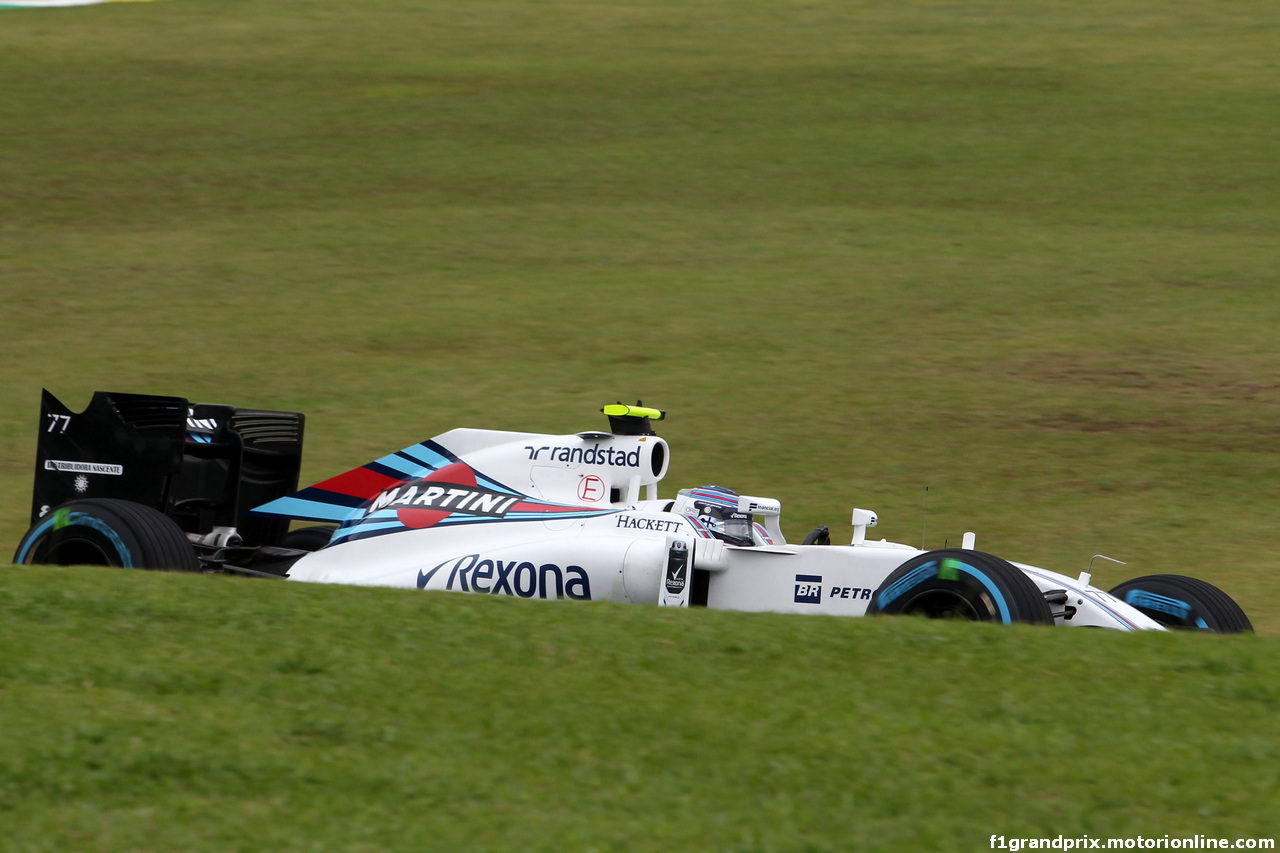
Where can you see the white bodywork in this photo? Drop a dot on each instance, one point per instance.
(579, 517)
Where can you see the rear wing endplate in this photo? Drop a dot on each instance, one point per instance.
(202, 465)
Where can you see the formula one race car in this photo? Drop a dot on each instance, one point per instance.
(156, 482)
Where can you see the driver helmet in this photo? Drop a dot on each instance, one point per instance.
(715, 510)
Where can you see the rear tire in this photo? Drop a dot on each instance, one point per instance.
(107, 532)
(1184, 603)
(961, 584)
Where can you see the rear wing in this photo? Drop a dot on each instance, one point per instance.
(202, 465)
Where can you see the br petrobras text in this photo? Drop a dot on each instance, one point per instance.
(809, 591)
(593, 455)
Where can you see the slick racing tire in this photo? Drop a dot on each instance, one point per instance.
(960, 584)
(107, 532)
(1185, 603)
(311, 538)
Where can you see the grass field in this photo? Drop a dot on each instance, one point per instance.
(1019, 254)
(168, 712)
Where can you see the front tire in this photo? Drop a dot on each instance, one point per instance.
(1184, 603)
(107, 532)
(961, 584)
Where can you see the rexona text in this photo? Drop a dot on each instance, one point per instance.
(511, 577)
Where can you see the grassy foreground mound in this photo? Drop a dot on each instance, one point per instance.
(147, 711)
(1019, 253)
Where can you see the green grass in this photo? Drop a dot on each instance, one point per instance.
(162, 712)
(1019, 253)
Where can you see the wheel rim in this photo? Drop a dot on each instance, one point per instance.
(941, 604)
(79, 551)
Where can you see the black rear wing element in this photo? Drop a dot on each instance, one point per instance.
(203, 465)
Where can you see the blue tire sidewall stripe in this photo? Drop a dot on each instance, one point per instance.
(904, 583)
(31, 539)
(929, 569)
(1142, 599)
(995, 592)
(76, 519)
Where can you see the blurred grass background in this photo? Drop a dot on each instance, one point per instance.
(1021, 254)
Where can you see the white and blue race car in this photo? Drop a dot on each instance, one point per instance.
(155, 482)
